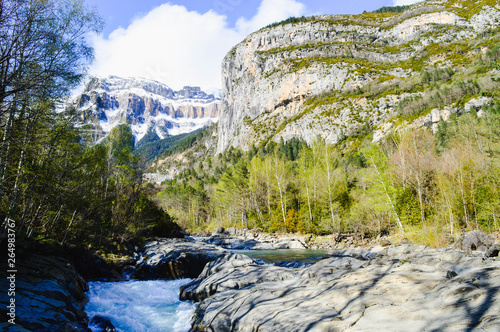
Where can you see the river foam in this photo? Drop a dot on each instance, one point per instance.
(136, 306)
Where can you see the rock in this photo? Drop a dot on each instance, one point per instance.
(233, 272)
(378, 289)
(219, 231)
(493, 251)
(204, 286)
(50, 295)
(477, 240)
(103, 323)
(290, 244)
(268, 77)
(175, 259)
(232, 243)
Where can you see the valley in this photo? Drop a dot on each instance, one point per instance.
(346, 177)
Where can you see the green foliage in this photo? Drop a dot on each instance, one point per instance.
(442, 136)
(442, 183)
(407, 206)
(287, 21)
(150, 137)
(392, 9)
(436, 75)
(438, 96)
(167, 146)
(184, 142)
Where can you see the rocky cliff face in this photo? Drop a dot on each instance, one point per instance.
(311, 78)
(151, 108)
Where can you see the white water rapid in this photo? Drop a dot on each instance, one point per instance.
(136, 306)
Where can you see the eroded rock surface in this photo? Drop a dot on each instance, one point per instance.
(406, 287)
(50, 296)
(175, 259)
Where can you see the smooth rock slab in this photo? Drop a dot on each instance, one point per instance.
(408, 287)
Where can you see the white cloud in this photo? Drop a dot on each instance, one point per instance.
(178, 47)
(405, 2)
(270, 11)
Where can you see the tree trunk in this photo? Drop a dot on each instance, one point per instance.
(400, 225)
(69, 226)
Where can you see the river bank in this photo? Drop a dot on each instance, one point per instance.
(377, 286)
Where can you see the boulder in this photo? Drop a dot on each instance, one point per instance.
(50, 295)
(290, 244)
(204, 286)
(493, 251)
(175, 259)
(219, 231)
(103, 323)
(477, 241)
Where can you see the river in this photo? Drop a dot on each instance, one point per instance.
(154, 306)
(137, 306)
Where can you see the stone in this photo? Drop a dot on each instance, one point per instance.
(477, 240)
(219, 231)
(290, 244)
(175, 259)
(203, 286)
(103, 323)
(493, 251)
(50, 295)
(268, 76)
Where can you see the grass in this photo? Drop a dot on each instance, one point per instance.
(430, 236)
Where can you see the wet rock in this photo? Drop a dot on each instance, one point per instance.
(103, 323)
(50, 295)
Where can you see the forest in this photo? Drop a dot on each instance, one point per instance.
(426, 187)
(54, 184)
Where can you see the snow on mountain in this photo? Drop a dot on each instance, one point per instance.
(150, 107)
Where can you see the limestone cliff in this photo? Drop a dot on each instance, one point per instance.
(334, 75)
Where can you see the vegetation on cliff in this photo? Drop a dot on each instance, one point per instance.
(426, 186)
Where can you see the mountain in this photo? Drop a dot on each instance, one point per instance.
(349, 75)
(153, 110)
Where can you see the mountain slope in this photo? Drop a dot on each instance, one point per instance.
(149, 151)
(335, 76)
(153, 110)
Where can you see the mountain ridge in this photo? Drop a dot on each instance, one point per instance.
(151, 108)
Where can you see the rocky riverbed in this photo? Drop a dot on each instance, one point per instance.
(375, 288)
(406, 287)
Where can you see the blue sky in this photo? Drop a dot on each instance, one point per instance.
(122, 12)
(183, 42)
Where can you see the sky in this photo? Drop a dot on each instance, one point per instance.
(183, 42)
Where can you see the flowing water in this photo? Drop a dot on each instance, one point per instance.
(138, 306)
(154, 306)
